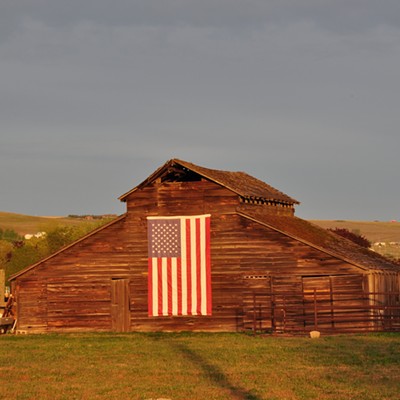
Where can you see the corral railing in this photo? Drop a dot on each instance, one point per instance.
(333, 312)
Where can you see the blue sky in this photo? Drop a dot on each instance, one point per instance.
(304, 95)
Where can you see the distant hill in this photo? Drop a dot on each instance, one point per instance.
(374, 231)
(24, 224)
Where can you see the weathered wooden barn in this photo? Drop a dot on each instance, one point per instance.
(264, 269)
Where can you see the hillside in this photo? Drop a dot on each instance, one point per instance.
(23, 224)
(373, 231)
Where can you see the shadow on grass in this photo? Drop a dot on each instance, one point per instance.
(214, 374)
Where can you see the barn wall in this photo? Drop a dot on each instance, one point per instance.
(72, 291)
(384, 288)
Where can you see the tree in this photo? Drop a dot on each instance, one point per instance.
(64, 235)
(354, 237)
(6, 249)
(26, 253)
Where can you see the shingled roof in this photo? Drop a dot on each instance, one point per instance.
(321, 239)
(241, 183)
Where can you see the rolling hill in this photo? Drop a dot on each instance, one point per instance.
(24, 224)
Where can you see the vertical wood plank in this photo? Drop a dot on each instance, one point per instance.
(120, 305)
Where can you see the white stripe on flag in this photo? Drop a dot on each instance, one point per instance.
(164, 287)
(174, 285)
(203, 267)
(193, 260)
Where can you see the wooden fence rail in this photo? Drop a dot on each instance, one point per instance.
(326, 312)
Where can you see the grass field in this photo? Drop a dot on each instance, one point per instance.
(374, 231)
(23, 224)
(199, 366)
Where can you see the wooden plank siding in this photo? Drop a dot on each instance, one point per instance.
(86, 286)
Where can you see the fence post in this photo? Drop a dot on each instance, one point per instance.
(254, 314)
(331, 302)
(391, 303)
(315, 310)
(284, 313)
(273, 322)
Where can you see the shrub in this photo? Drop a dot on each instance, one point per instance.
(354, 237)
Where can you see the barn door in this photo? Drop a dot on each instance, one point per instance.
(257, 303)
(120, 305)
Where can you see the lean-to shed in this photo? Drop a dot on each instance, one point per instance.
(210, 250)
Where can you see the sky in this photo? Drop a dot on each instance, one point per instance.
(303, 94)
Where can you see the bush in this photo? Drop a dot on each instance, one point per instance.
(354, 237)
(9, 235)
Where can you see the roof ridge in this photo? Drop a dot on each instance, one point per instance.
(240, 182)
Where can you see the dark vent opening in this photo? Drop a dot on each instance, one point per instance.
(174, 174)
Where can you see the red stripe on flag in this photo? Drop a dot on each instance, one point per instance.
(150, 289)
(169, 285)
(188, 268)
(198, 266)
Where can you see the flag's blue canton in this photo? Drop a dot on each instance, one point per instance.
(164, 238)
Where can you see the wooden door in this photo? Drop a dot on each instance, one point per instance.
(120, 305)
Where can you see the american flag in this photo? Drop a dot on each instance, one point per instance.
(179, 280)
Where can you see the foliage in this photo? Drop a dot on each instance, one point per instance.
(62, 236)
(22, 256)
(5, 252)
(9, 235)
(27, 252)
(353, 236)
(199, 366)
(91, 216)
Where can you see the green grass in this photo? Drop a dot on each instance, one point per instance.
(199, 366)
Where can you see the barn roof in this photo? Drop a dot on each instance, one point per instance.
(241, 183)
(250, 187)
(322, 239)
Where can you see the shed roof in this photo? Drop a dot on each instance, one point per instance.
(239, 182)
(322, 239)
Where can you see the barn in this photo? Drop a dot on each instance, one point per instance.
(201, 249)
